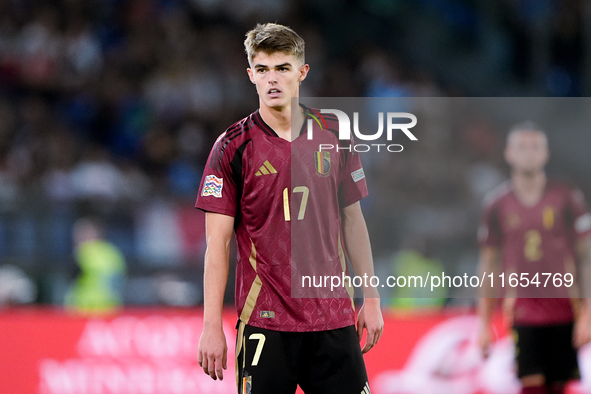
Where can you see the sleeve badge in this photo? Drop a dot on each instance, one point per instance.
(358, 175)
(212, 186)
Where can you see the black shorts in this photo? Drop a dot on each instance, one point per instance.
(546, 350)
(322, 362)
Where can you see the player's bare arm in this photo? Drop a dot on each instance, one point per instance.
(359, 252)
(213, 350)
(582, 334)
(489, 262)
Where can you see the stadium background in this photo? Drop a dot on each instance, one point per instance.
(110, 107)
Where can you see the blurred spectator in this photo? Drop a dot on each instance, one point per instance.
(82, 52)
(15, 287)
(95, 177)
(410, 261)
(39, 46)
(99, 286)
(384, 77)
(174, 291)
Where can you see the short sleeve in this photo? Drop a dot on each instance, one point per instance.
(353, 185)
(489, 231)
(580, 214)
(217, 191)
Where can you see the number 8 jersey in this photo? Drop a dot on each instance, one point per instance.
(285, 196)
(537, 240)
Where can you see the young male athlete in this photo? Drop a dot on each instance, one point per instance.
(533, 225)
(249, 188)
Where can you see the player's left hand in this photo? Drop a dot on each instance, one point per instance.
(370, 318)
(582, 331)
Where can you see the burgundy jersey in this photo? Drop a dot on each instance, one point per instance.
(249, 176)
(537, 239)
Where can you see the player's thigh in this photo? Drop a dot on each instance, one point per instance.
(560, 358)
(265, 361)
(528, 350)
(332, 362)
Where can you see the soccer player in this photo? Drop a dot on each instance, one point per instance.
(248, 188)
(535, 225)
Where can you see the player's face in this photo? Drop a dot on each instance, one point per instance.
(527, 151)
(277, 77)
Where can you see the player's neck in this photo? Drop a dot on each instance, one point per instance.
(529, 187)
(280, 120)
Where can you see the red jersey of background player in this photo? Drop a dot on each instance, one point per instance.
(540, 238)
(249, 176)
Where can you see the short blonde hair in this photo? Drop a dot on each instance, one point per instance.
(272, 37)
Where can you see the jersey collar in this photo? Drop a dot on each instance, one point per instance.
(258, 119)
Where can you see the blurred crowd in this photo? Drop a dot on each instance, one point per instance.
(110, 107)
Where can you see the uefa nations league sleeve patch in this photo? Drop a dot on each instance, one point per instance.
(358, 175)
(213, 186)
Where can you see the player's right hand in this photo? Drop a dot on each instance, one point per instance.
(212, 355)
(485, 337)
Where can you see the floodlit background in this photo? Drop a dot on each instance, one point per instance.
(108, 109)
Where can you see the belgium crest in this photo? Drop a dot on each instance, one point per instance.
(322, 162)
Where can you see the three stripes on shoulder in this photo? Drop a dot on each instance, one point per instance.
(366, 389)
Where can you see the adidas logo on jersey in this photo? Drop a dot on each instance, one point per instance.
(266, 169)
(366, 389)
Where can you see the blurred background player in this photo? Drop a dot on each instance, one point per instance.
(153, 82)
(98, 287)
(528, 222)
(282, 341)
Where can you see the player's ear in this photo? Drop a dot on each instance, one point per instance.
(250, 74)
(304, 68)
(507, 154)
(547, 158)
